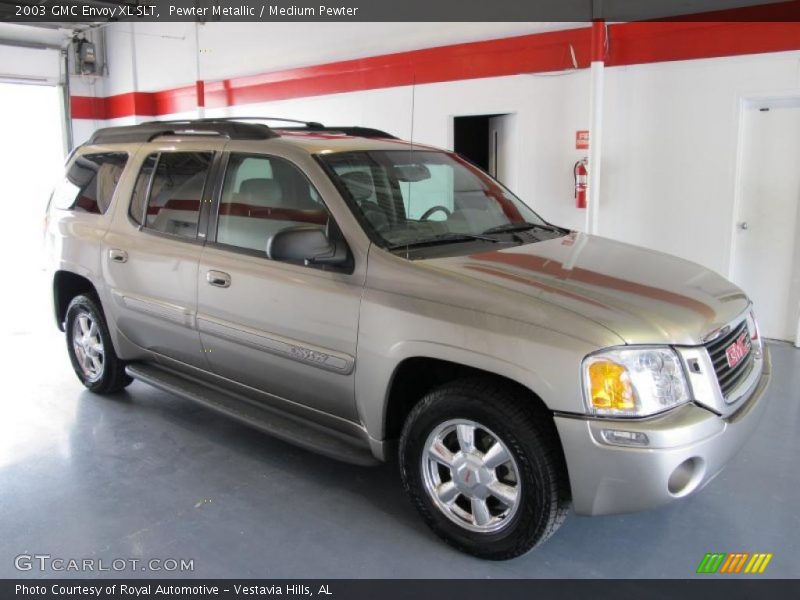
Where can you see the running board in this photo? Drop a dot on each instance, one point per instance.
(289, 428)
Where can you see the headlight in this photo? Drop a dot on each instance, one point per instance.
(633, 382)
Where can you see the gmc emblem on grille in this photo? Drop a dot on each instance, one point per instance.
(737, 350)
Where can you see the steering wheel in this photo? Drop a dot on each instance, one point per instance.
(434, 209)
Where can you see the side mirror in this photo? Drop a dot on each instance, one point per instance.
(308, 244)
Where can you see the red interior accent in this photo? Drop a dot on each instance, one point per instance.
(175, 204)
(87, 204)
(239, 209)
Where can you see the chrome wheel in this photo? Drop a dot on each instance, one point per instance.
(88, 346)
(471, 476)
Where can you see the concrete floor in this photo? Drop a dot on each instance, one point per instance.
(146, 475)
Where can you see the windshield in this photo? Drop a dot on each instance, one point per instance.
(414, 196)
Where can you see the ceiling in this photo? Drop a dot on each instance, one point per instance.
(36, 35)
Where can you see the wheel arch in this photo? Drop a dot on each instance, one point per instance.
(67, 285)
(415, 375)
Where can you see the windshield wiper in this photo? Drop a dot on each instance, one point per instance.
(445, 238)
(524, 226)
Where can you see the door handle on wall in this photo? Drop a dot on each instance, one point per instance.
(218, 279)
(118, 255)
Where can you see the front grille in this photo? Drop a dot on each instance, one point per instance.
(729, 377)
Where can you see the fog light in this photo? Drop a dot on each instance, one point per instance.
(625, 438)
(686, 476)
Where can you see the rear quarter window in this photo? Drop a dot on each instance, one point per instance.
(90, 182)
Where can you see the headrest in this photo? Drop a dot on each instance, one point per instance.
(261, 192)
(359, 184)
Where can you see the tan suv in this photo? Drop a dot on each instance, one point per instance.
(367, 298)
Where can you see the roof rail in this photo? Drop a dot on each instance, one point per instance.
(309, 124)
(145, 132)
(354, 131)
(367, 132)
(229, 127)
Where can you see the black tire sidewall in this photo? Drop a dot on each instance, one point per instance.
(530, 522)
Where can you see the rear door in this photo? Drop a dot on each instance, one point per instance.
(286, 329)
(151, 256)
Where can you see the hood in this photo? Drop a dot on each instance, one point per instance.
(643, 296)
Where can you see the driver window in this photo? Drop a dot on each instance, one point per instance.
(261, 196)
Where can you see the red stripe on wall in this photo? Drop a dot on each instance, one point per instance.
(628, 44)
(640, 43)
(112, 107)
(200, 92)
(783, 10)
(87, 107)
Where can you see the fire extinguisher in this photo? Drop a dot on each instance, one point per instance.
(581, 172)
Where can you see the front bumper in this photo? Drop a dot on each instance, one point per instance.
(687, 448)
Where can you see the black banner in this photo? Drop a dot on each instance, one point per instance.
(733, 588)
(75, 11)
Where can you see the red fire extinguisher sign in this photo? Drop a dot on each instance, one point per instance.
(582, 139)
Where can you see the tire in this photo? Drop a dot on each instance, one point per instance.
(90, 349)
(536, 493)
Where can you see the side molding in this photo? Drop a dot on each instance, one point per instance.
(314, 356)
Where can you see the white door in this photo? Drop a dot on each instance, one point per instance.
(766, 247)
(501, 141)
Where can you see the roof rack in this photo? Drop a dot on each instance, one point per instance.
(234, 128)
(146, 132)
(365, 132)
(355, 131)
(308, 124)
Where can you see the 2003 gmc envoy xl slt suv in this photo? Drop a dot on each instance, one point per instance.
(366, 298)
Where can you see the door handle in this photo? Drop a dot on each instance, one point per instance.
(218, 279)
(118, 255)
(744, 226)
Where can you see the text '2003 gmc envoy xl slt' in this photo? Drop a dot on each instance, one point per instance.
(368, 298)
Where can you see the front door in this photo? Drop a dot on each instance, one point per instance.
(282, 328)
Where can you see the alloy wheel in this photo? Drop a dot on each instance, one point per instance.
(471, 476)
(88, 346)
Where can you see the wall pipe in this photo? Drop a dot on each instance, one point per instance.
(134, 70)
(200, 86)
(66, 109)
(598, 50)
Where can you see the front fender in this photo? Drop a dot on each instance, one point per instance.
(542, 360)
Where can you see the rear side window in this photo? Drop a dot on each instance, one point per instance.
(90, 182)
(169, 190)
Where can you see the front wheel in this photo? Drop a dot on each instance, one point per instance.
(485, 469)
(90, 349)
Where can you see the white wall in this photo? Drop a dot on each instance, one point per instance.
(165, 52)
(670, 130)
(671, 133)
